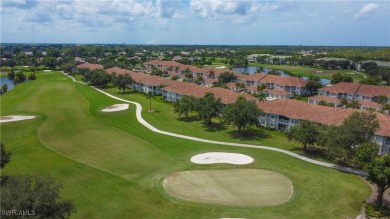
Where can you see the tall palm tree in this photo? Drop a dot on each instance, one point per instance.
(150, 96)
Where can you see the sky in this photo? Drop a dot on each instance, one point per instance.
(197, 22)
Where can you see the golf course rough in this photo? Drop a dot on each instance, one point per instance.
(231, 187)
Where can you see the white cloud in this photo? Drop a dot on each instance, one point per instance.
(237, 11)
(169, 9)
(366, 11)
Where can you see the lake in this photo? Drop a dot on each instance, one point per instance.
(253, 69)
(7, 81)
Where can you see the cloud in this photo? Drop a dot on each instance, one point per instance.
(40, 17)
(169, 9)
(21, 4)
(213, 8)
(367, 10)
(241, 11)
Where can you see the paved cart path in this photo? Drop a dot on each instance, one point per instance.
(152, 128)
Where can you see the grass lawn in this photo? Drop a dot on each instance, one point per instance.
(3, 74)
(306, 71)
(113, 167)
(165, 119)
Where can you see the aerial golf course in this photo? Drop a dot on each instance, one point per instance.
(111, 166)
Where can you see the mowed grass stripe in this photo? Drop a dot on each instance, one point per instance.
(87, 139)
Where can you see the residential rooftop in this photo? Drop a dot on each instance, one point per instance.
(300, 110)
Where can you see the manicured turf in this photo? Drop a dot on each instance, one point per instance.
(233, 187)
(306, 71)
(165, 119)
(113, 167)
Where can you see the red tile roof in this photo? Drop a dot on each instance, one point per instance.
(362, 89)
(253, 77)
(118, 71)
(384, 125)
(190, 89)
(325, 98)
(373, 91)
(252, 88)
(284, 81)
(151, 80)
(296, 109)
(277, 91)
(90, 66)
(370, 104)
(142, 78)
(210, 80)
(231, 85)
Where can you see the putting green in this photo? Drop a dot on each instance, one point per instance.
(234, 187)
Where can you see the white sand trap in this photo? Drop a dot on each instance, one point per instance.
(46, 70)
(116, 107)
(221, 157)
(14, 118)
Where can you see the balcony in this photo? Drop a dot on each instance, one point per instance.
(284, 121)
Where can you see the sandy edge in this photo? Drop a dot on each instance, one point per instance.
(221, 157)
(4, 119)
(116, 107)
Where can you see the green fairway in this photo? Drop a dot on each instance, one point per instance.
(306, 71)
(113, 167)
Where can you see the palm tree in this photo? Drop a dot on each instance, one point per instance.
(260, 88)
(344, 101)
(4, 88)
(262, 97)
(212, 74)
(386, 106)
(150, 96)
(382, 99)
(259, 70)
(354, 104)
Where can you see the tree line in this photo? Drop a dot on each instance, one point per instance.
(242, 113)
(350, 143)
(101, 78)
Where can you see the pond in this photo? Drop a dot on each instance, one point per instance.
(253, 69)
(10, 83)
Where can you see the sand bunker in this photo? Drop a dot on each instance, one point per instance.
(221, 157)
(14, 118)
(116, 107)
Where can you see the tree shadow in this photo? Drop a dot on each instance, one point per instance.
(126, 92)
(216, 127)
(249, 135)
(188, 119)
(312, 152)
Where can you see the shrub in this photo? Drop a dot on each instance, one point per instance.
(377, 212)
